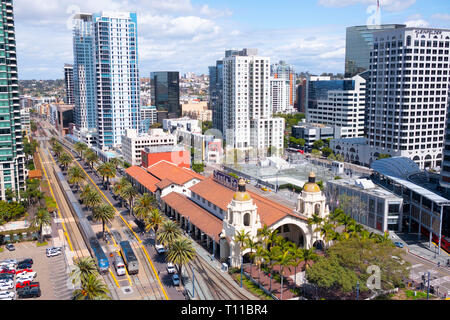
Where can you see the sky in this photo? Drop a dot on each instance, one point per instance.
(190, 35)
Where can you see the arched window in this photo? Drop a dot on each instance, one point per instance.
(317, 209)
(230, 217)
(247, 219)
(302, 206)
(408, 40)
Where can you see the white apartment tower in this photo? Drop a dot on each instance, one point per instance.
(247, 105)
(408, 94)
(280, 89)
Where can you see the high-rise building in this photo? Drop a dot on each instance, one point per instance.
(215, 94)
(359, 43)
(68, 81)
(166, 93)
(12, 158)
(84, 73)
(118, 85)
(408, 94)
(282, 70)
(280, 95)
(339, 103)
(247, 111)
(301, 96)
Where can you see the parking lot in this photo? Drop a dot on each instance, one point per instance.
(51, 272)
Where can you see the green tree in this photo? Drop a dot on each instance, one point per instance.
(76, 176)
(41, 219)
(315, 153)
(64, 159)
(326, 151)
(104, 213)
(80, 147)
(92, 199)
(318, 144)
(153, 221)
(83, 268)
(107, 171)
(383, 156)
(198, 167)
(91, 158)
(284, 256)
(144, 206)
(168, 233)
(308, 255)
(92, 289)
(129, 193)
(181, 252)
(57, 148)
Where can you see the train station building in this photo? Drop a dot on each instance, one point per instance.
(214, 209)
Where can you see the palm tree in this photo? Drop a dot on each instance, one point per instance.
(284, 257)
(326, 230)
(253, 245)
(92, 289)
(297, 259)
(241, 238)
(107, 170)
(129, 193)
(264, 234)
(57, 148)
(272, 239)
(116, 162)
(93, 199)
(315, 220)
(144, 206)
(153, 220)
(76, 176)
(65, 160)
(41, 219)
(181, 252)
(91, 158)
(85, 192)
(83, 268)
(308, 255)
(345, 220)
(169, 233)
(80, 147)
(104, 213)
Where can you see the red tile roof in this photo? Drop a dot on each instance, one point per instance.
(143, 177)
(164, 183)
(166, 170)
(202, 219)
(269, 211)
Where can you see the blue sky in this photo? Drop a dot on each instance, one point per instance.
(189, 35)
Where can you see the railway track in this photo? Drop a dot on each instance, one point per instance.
(219, 287)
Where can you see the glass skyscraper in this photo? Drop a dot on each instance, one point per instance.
(166, 92)
(215, 94)
(12, 159)
(359, 43)
(107, 82)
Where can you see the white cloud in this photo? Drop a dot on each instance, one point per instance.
(420, 23)
(441, 16)
(388, 5)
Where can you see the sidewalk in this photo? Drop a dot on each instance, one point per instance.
(421, 247)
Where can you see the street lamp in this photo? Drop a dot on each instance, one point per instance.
(242, 268)
(193, 282)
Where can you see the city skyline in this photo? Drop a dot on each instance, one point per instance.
(190, 35)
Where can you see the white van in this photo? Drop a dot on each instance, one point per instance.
(119, 265)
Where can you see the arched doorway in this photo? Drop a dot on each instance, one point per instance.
(319, 245)
(293, 233)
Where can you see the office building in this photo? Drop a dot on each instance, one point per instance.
(12, 158)
(133, 143)
(247, 111)
(311, 132)
(166, 93)
(408, 94)
(68, 81)
(338, 103)
(282, 70)
(280, 90)
(368, 204)
(301, 96)
(359, 43)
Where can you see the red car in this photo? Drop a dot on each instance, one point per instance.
(26, 284)
(11, 271)
(24, 270)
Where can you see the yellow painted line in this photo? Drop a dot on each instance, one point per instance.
(156, 273)
(115, 280)
(140, 241)
(442, 250)
(57, 207)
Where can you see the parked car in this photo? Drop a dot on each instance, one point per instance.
(6, 270)
(27, 276)
(53, 252)
(160, 248)
(27, 261)
(24, 266)
(176, 280)
(8, 261)
(6, 285)
(27, 284)
(10, 247)
(29, 292)
(399, 244)
(6, 281)
(170, 268)
(6, 276)
(7, 295)
(24, 270)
